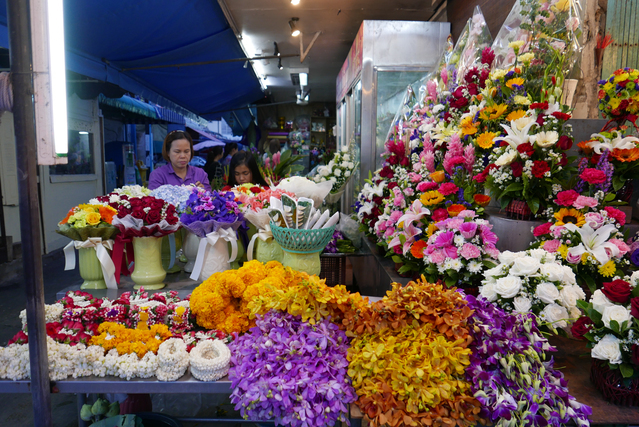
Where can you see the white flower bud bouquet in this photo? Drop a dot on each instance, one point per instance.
(338, 171)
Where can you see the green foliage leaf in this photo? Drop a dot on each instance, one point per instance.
(533, 204)
(404, 269)
(617, 182)
(515, 186)
(626, 370)
(396, 259)
(614, 325)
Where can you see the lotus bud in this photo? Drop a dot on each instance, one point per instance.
(114, 409)
(100, 407)
(85, 412)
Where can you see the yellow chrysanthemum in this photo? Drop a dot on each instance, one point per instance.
(431, 198)
(517, 114)
(563, 250)
(565, 216)
(486, 139)
(608, 269)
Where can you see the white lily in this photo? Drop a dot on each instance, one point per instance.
(618, 142)
(516, 135)
(595, 242)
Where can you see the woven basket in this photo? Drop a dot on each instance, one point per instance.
(611, 384)
(302, 241)
(517, 209)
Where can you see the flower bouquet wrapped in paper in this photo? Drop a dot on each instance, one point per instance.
(91, 230)
(142, 221)
(303, 187)
(535, 282)
(215, 218)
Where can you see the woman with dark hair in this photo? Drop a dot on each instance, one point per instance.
(177, 150)
(213, 167)
(244, 170)
(229, 152)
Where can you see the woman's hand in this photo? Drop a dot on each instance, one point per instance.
(199, 184)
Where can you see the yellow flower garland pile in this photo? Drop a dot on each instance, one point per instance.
(125, 341)
(221, 301)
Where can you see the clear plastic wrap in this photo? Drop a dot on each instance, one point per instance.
(478, 38)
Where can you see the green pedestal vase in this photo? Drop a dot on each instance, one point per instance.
(148, 271)
(90, 269)
(302, 248)
(268, 250)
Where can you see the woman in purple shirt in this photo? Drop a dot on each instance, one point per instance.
(178, 151)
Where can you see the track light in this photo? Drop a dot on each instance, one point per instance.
(295, 2)
(279, 64)
(277, 50)
(294, 31)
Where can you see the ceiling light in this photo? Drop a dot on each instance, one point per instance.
(277, 50)
(279, 64)
(294, 31)
(83, 133)
(295, 2)
(303, 79)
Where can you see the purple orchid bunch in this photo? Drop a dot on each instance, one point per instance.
(331, 248)
(510, 374)
(292, 372)
(205, 205)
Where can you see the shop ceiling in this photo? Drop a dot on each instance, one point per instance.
(117, 42)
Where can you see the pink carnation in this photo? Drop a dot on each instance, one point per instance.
(437, 257)
(542, 229)
(552, 245)
(468, 213)
(389, 232)
(583, 201)
(414, 177)
(470, 251)
(556, 231)
(440, 214)
(448, 188)
(426, 186)
(409, 191)
(615, 213)
(468, 230)
(454, 223)
(623, 248)
(566, 198)
(444, 239)
(488, 236)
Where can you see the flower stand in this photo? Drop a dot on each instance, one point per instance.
(613, 386)
(302, 248)
(90, 269)
(148, 271)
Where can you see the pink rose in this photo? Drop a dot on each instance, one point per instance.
(618, 216)
(552, 245)
(542, 229)
(583, 201)
(594, 219)
(573, 258)
(437, 257)
(426, 186)
(566, 198)
(414, 177)
(381, 226)
(440, 214)
(451, 252)
(470, 251)
(623, 248)
(468, 230)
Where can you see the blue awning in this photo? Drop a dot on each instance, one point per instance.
(106, 38)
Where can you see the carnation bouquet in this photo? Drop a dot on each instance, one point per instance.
(215, 218)
(534, 282)
(338, 172)
(590, 241)
(611, 325)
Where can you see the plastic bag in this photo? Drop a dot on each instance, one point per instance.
(350, 229)
(303, 187)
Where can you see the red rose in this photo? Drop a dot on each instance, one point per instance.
(123, 211)
(154, 216)
(561, 116)
(635, 354)
(564, 160)
(448, 188)
(593, 176)
(566, 198)
(565, 142)
(517, 168)
(539, 106)
(440, 214)
(392, 185)
(172, 219)
(634, 307)
(138, 212)
(526, 148)
(540, 119)
(581, 327)
(393, 160)
(595, 159)
(615, 213)
(539, 168)
(386, 172)
(256, 190)
(542, 229)
(617, 291)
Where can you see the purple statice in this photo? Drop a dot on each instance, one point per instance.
(510, 374)
(331, 248)
(606, 167)
(292, 372)
(583, 164)
(204, 205)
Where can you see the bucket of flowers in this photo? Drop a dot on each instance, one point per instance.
(91, 230)
(214, 217)
(142, 222)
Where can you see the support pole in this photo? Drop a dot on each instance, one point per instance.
(26, 154)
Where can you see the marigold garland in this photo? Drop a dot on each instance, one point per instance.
(221, 302)
(409, 357)
(125, 340)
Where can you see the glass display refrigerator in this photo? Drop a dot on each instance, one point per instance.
(385, 57)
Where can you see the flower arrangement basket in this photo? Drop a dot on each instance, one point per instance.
(518, 209)
(333, 269)
(611, 384)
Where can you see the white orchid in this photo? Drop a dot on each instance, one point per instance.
(517, 132)
(618, 142)
(594, 242)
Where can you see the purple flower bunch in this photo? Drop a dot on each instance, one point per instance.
(331, 248)
(291, 371)
(509, 372)
(204, 205)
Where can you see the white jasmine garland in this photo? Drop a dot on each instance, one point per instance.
(210, 360)
(173, 360)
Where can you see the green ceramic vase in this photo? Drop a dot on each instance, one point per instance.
(309, 262)
(90, 269)
(268, 251)
(148, 271)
